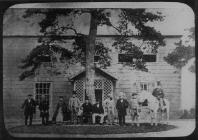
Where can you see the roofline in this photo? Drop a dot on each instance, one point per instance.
(72, 36)
(96, 69)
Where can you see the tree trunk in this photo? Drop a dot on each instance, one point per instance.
(90, 51)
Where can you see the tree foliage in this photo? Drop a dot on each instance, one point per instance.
(180, 56)
(54, 32)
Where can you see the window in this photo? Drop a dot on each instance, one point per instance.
(129, 58)
(144, 86)
(149, 58)
(96, 58)
(125, 58)
(42, 88)
(44, 58)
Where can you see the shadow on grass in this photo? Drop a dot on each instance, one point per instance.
(89, 129)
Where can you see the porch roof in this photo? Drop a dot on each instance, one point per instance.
(97, 70)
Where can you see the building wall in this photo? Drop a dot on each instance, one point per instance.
(169, 76)
(15, 91)
(20, 37)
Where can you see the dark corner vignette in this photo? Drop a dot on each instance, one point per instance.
(48, 85)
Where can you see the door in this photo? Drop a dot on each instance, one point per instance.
(98, 95)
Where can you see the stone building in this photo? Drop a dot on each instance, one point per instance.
(20, 37)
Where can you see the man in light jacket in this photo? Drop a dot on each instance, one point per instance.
(74, 105)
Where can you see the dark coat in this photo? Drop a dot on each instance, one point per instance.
(87, 108)
(44, 108)
(29, 107)
(98, 110)
(122, 106)
(158, 92)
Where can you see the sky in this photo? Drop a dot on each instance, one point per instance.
(178, 17)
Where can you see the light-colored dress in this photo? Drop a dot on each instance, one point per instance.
(109, 106)
(60, 115)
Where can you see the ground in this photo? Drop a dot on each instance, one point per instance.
(175, 128)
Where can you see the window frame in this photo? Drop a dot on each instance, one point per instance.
(49, 94)
(131, 55)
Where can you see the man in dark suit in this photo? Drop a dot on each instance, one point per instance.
(98, 111)
(29, 109)
(87, 110)
(121, 106)
(44, 109)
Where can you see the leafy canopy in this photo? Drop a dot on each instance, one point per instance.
(54, 35)
(184, 51)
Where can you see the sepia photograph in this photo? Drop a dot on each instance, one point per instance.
(99, 70)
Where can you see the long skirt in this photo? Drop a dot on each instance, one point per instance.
(59, 115)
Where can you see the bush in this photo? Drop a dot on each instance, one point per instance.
(188, 114)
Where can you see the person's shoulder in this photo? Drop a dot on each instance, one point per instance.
(125, 100)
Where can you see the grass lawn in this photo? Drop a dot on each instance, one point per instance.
(89, 129)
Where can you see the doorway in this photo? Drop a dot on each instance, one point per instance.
(98, 95)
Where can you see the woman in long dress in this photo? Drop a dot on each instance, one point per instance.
(109, 105)
(58, 114)
(59, 117)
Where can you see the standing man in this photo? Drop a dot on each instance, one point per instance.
(98, 111)
(121, 106)
(44, 109)
(74, 105)
(29, 109)
(134, 107)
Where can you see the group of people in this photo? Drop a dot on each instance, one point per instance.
(86, 112)
(29, 107)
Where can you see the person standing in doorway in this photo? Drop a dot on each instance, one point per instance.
(44, 109)
(121, 106)
(29, 107)
(74, 105)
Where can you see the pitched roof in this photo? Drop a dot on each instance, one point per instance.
(97, 70)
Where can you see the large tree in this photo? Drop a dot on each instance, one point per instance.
(85, 46)
(184, 51)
